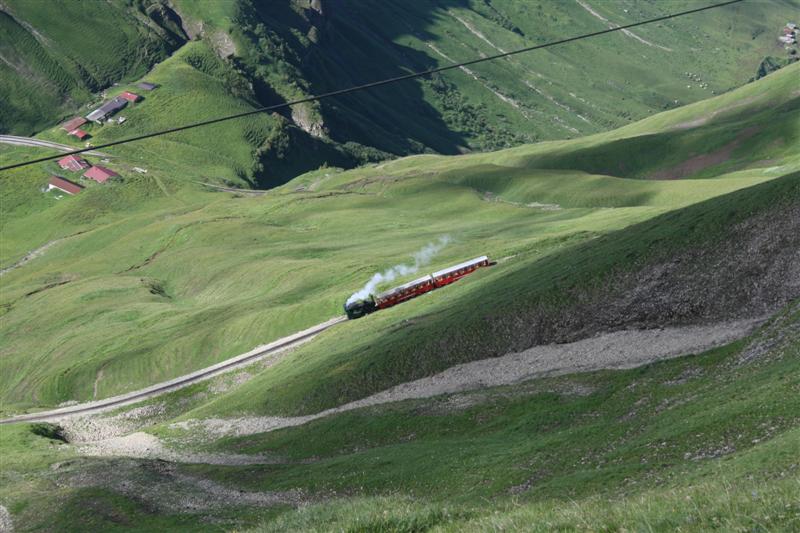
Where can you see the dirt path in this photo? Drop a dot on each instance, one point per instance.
(33, 254)
(701, 162)
(617, 350)
(253, 192)
(610, 24)
(179, 382)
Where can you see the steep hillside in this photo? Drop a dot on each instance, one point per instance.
(704, 442)
(280, 51)
(326, 45)
(525, 91)
(601, 449)
(157, 277)
(55, 55)
(602, 254)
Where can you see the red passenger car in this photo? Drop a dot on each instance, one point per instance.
(414, 288)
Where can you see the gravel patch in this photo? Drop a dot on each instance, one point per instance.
(617, 350)
(95, 428)
(6, 525)
(146, 446)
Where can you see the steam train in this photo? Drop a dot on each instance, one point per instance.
(412, 289)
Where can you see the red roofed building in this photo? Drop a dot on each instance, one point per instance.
(100, 174)
(64, 185)
(73, 163)
(80, 134)
(131, 97)
(73, 124)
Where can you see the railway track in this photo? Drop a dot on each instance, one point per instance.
(28, 141)
(167, 386)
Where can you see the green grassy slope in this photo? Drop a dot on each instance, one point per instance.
(534, 450)
(278, 51)
(158, 276)
(554, 93)
(195, 83)
(509, 308)
(707, 441)
(168, 278)
(56, 54)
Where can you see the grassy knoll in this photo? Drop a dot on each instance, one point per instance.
(197, 85)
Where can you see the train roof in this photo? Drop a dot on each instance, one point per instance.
(459, 266)
(408, 285)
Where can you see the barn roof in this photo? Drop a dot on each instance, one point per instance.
(100, 174)
(65, 185)
(131, 97)
(73, 124)
(73, 162)
(110, 107)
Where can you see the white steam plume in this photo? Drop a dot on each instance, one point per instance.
(421, 258)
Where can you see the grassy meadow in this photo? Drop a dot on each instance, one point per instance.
(158, 277)
(215, 58)
(154, 275)
(706, 441)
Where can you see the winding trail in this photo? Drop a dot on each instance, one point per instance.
(254, 192)
(33, 254)
(156, 390)
(610, 24)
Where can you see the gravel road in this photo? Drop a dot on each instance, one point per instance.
(617, 350)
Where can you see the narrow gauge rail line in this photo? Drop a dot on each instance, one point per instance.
(179, 382)
(39, 143)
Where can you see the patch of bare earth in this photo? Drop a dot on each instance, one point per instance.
(163, 487)
(705, 119)
(84, 429)
(620, 349)
(6, 524)
(773, 341)
(146, 446)
(700, 162)
(752, 273)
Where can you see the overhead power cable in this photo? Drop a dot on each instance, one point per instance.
(371, 85)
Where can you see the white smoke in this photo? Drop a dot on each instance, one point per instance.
(421, 258)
